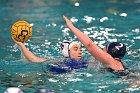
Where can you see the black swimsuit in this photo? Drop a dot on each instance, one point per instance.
(124, 72)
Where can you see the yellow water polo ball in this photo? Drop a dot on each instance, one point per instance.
(21, 31)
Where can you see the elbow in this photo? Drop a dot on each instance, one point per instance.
(31, 59)
(88, 45)
(37, 59)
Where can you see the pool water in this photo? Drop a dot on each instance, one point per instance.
(103, 21)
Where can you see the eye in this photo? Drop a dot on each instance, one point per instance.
(75, 48)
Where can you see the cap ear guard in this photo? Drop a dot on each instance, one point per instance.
(65, 48)
(114, 51)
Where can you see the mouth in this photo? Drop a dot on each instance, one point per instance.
(79, 56)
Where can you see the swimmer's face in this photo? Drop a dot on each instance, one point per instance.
(75, 52)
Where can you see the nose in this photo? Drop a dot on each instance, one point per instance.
(80, 52)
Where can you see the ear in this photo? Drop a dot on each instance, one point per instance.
(113, 51)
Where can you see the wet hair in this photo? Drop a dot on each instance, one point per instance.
(116, 49)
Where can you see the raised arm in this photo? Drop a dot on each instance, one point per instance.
(96, 51)
(28, 54)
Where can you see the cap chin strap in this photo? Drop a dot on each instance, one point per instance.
(69, 53)
(118, 59)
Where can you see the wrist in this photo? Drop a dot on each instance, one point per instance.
(20, 44)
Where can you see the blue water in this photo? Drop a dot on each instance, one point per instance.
(103, 20)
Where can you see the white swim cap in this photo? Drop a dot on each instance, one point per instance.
(13, 90)
(66, 46)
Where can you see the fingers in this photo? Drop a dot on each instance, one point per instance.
(68, 22)
(13, 38)
(65, 18)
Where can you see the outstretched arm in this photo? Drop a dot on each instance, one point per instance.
(28, 54)
(96, 51)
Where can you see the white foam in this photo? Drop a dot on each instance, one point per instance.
(77, 4)
(88, 19)
(87, 32)
(31, 24)
(123, 14)
(52, 80)
(103, 19)
(73, 19)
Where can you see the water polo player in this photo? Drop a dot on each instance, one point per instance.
(73, 59)
(111, 55)
(71, 51)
